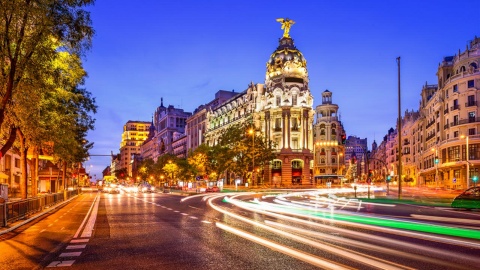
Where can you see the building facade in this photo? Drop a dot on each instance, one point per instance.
(328, 146)
(281, 110)
(441, 142)
(133, 136)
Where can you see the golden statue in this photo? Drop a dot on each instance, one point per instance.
(286, 24)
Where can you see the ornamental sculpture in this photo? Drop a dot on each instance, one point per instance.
(286, 24)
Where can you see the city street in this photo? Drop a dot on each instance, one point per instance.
(289, 229)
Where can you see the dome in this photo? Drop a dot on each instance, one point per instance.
(287, 61)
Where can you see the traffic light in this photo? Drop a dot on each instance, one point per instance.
(475, 178)
(436, 160)
(344, 138)
(370, 173)
(389, 178)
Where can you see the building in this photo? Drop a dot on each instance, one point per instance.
(328, 145)
(168, 121)
(281, 110)
(133, 136)
(441, 142)
(356, 158)
(197, 123)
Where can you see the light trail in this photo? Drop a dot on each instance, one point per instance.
(342, 252)
(283, 249)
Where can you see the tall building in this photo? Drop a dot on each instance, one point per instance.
(168, 121)
(133, 136)
(281, 109)
(441, 142)
(328, 147)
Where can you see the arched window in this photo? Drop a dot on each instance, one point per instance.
(322, 161)
(322, 152)
(462, 69)
(334, 161)
(322, 131)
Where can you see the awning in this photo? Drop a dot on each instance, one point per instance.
(3, 175)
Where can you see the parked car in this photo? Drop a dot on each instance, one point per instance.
(469, 199)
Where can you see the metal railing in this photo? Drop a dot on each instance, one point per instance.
(21, 209)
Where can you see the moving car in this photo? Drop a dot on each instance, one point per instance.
(145, 188)
(469, 199)
(213, 189)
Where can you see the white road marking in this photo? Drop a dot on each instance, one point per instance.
(70, 254)
(87, 232)
(206, 221)
(60, 263)
(75, 246)
(176, 211)
(185, 214)
(79, 240)
(193, 217)
(447, 219)
(43, 230)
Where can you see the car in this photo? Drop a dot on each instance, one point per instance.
(213, 189)
(469, 199)
(145, 188)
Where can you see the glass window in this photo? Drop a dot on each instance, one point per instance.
(471, 83)
(455, 88)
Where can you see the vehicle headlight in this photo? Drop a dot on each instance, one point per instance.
(152, 188)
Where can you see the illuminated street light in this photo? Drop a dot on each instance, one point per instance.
(436, 165)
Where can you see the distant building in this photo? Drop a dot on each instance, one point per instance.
(356, 155)
(133, 136)
(168, 121)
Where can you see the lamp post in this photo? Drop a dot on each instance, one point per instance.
(315, 145)
(338, 168)
(252, 132)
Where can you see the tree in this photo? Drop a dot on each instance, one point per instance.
(27, 31)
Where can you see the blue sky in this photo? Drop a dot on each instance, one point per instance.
(185, 51)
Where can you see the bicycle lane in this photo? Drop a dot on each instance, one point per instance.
(41, 241)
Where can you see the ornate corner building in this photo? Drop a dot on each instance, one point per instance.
(441, 142)
(281, 109)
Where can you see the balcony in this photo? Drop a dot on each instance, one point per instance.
(455, 107)
(445, 111)
(471, 103)
(276, 129)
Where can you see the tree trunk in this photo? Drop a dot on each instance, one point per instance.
(23, 165)
(8, 144)
(64, 175)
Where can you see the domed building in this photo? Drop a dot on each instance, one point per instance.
(281, 109)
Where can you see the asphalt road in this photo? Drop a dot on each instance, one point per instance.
(243, 231)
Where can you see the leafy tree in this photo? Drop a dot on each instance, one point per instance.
(27, 30)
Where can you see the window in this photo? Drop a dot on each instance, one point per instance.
(455, 105)
(471, 131)
(294, 99)
(446, 93)
(471, 117)
(322, 161)
(453, 153)
(471, 101)
(455, 120)
(277, 164)
(455, 134)
(455, 88)
(471, 83)
(296, 164)
(278, 122)
(278, 101)
(17, 163)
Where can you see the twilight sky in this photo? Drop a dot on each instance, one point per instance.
(185, 51)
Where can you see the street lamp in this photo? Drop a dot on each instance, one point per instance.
(315, 145)
(468, 164)
(252, 132)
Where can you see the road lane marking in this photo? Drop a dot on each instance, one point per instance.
(71, 254)
(206, 221)
(87, 231)
(60, 263)
(76, 246)
(176, 211)
(43, 230)
(193, 217)
(185, 214)
(79, 240)
(86, 217)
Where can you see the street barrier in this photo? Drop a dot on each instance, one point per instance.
(21, 209)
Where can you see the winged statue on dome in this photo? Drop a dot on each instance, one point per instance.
(286, 24)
